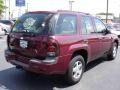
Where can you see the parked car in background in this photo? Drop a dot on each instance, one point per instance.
(14, 20)
(6, 25)
(114, 28)
(7, 22)
(117, 26)
(2, 32)
(5, 28)
(61, 42)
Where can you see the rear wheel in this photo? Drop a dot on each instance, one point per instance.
(113, 52)
(75, 70)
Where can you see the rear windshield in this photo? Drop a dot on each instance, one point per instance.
(33, 23)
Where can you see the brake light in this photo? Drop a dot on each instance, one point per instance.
(53, 49)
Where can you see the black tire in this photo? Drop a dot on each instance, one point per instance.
(70, 75)
(113, 52)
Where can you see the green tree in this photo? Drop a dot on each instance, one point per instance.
(2, 7)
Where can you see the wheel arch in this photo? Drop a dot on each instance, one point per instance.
(116, 41)
(82, 52)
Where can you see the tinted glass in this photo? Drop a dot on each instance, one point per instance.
(66, 24)
(83, 26)
(33, 23)
(7, 22)
(99, 25)
(87, 26)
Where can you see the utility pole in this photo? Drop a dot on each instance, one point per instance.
(5, 10)
(107, 11)
(9, 10)
(119, 17)
(71, 4)
(27, 6)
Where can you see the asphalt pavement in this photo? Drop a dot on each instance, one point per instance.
(99, 75)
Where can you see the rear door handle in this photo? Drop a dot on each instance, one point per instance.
(86, 41)
(100, 38)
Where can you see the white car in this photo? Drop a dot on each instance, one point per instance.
(5, 27)
(115, 29)
(2, 32)
(117, 32)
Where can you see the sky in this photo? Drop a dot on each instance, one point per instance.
(88, 6)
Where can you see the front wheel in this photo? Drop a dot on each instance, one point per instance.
(75, 70)
(113, 52)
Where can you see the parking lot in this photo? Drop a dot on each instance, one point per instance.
(99, 75)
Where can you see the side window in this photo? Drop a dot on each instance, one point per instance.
(87, 26)
(83, 26)
(66, 24)
(99, 25)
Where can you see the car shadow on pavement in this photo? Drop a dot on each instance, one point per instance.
(14, 79)
(96, 62)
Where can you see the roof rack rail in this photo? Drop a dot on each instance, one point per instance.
(72, 11)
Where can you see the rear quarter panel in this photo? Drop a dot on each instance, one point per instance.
(70, 43)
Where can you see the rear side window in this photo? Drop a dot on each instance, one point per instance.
(66, 24)
(87, 26)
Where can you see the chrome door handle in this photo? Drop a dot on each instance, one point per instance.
(100, 38)
(86, 41)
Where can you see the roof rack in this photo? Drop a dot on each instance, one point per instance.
(73, 11)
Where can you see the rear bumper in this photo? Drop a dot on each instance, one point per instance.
(55, 66)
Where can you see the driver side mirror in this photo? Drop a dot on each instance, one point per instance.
(106, 31)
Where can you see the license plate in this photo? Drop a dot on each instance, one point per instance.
(23, 44)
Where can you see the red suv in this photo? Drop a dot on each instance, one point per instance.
(61, 42)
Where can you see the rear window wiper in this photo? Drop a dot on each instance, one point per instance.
(29, 34)
(20, 31)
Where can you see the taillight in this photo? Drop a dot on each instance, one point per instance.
(53, 48)
(51, 51)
